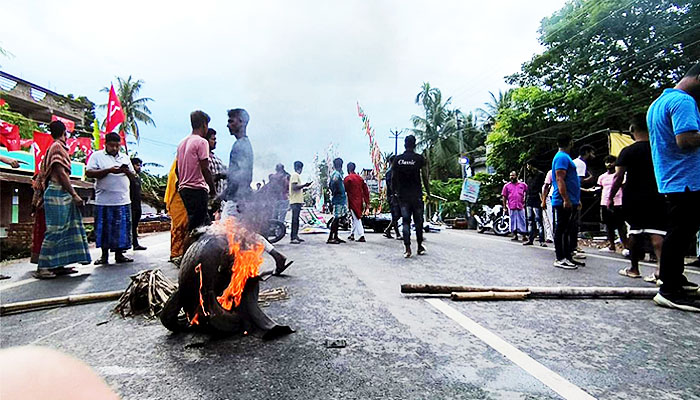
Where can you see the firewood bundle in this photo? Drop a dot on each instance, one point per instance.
(146, 294)
(268, 295)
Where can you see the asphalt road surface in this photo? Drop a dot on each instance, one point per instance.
(398, 346)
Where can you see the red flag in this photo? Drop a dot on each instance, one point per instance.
(26, 143)
(42, 142)
(72, 144)
(115, 115)
(9, 135)
(70, 125)
(122, 136)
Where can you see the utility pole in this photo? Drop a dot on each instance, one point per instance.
(395, 134)
(461, 146)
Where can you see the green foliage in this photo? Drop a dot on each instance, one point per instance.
(153, 189)
(89, 114)
(450, 190)
(439, 132)
(490, 189)
(26, 125)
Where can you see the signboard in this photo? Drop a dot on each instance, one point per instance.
(77, 168)
(470, 190)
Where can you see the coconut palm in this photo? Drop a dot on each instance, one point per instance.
(134, 108)
(494, 106)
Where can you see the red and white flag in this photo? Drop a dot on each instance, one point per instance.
(42, 142)
(70, 125)
(9, 136)
(115, 115)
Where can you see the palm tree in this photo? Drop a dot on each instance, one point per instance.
(435, 132)
(134, 108)
(494, 106)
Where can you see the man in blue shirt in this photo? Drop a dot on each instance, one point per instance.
(339, 200)
(565, 201)
(674, 121)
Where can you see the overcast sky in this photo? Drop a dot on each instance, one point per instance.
(298, 67)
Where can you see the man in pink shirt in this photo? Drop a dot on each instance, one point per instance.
(612, 217)
(196, 184)
(514, 201)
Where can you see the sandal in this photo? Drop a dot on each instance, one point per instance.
(43, 273)
(101, 261)
(65, 271)
(628, 273)
(332, 241)
(123, 259)
(651, 278)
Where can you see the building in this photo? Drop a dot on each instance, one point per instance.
(38, 104)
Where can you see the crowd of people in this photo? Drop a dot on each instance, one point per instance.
(653, 186)
(59, 237)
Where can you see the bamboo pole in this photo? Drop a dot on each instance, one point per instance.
(462, 296)
(539, 292)
(33, 305)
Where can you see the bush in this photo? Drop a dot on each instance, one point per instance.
(13, 252)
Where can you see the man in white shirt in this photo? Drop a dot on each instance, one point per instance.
(586, 154)
(111, 171)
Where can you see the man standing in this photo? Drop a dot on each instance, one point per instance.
(135, 196)
(296, 199)
(566, 199)
(338, 200)
(535, 182)
(239, 177)
(611, 206)
(408, 169)
(279, 188)
(514, 201)
(586, 154)
(216, 166)
(196, 184)
(358, 201)
(65, 241)
(643, 207)
(112, 172)
(393, 203)
(674, 122)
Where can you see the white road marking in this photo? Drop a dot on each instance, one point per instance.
(545, 375)
(602, 257)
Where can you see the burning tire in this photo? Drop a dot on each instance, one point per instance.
(205, 274)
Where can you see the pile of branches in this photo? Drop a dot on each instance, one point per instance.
(268, 295)
(146, 294)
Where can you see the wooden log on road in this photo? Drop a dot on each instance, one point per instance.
(32, 305)
(539, 292)
(468, 296)
(448, 289)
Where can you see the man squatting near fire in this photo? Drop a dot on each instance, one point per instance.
(240, 175)
(407, 170)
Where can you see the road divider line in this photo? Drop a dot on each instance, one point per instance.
(543, 374)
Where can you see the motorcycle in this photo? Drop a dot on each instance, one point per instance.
(493, 218)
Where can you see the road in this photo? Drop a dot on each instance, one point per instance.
(398, 346)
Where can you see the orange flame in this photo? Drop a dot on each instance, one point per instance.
(195, 320)
(247, 252)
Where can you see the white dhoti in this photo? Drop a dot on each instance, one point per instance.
(357, 229)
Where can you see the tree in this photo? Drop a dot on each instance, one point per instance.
(134, 108)
(490, 112)
(89, 114)
(608, 59)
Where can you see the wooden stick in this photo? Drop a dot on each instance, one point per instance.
(462, 296)
(540, 292)
(32, 305)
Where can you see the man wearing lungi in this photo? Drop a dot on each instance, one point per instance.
(112, 171)
(65, 241)
(514, 201)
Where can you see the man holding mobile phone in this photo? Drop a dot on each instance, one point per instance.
(112, 171)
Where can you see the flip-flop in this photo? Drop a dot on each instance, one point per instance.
(101, 261)
(43, 274)
(627, 273)
(65, 271)
(651, 278)
(123, 259)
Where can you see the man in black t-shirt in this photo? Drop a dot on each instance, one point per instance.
(135, 196)
(393, 204)
(642, 205)
(533, 203)
(406, 185)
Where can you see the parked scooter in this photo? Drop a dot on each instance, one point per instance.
(493, 218)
